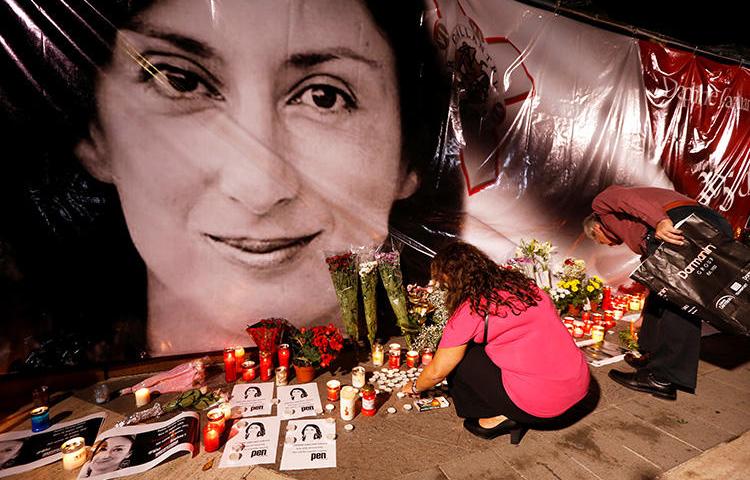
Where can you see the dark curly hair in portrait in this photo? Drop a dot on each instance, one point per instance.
(467, 273)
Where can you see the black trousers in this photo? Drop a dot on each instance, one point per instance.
(670, 336)
(477, 389)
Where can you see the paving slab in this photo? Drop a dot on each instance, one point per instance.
(728, 461)
(486, 465)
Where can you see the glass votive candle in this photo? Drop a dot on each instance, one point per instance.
(73, 453)
(358, 377)
(239, 357)
(266, 366)
(101, 393)
(333, 387)
(427, 356)
(40, 396)
(249, 370)
(39, 419)
(587, 327)
(578, 329)
(394, 358)
(412, 358)
(349, 396)
(142, 397)
(597, 333)
(395, 346)
(282, 376)
(597, 318)
(284, 352)
(230, 365)
(210, 438)
(378, 354)
(586, 315)
(216, 419)
(617, 313)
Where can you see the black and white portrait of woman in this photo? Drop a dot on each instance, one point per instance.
(252, 392)
(311, 432)
(110, 455)
(255, 430)
(297, 393)
(10, 451)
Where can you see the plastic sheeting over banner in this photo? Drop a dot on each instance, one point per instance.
(175, 170)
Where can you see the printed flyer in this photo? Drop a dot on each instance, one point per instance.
(251, 442)
(297, 401)
(309, 444)
(254, 399)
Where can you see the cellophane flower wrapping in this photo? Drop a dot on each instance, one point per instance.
(368, 277)
(343, 270)
(389, 266)
(432, 329)
(268, 332)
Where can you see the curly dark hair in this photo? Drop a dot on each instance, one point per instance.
(467, 273)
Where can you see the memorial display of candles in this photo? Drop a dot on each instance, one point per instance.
(596, 318)
(597, 333)
(587, 327)
(568, 321)
(358, 377)
(578, 329)
(586, 316)
(39, 419)
(266, 366)
(249, 370)
(142, 396)
(282, 376)
(239, 357)
(333, 387)
(210, 438)
(348, 403)
(412, 358)
(216, 419)
(284, 353)
(368, 400)
(394, 358)
(427, 356)
(73, 453)
(230, 365)
(378, 354)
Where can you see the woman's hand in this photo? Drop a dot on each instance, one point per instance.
(407, 389)
(666, 232)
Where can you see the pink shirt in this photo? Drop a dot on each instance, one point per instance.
(543, 371)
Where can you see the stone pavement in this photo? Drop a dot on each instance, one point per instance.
(624, 435)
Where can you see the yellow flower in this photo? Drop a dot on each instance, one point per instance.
(590, 288)
(596, 285)
(574, 288)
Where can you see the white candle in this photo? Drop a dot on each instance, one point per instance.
(142, 396)
(73, 453)
(348, 402)
(358, 377)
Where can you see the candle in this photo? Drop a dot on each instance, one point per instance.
(348, 402)
(635, 304)
(333, 387)
(226, 408)
(587, 327)
(284, 353)
(39, 419)
(142, 396)
(281, 376)
(358, 377)
(210, 438)
(412, 358)
(101, 393)
(368, 400)
(586, 315)
(578, 329)
(230, 365)
(378, 354)
(249, 370)
(73, 453)
(394, 358)
(606, 297)
(239, 355)
(395, 346)
(597, 318)
(426, 356)
(597, 333)
(266, 366)
(216, 419)
(617, 313)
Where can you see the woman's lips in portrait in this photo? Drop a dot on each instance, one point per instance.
(263, 253)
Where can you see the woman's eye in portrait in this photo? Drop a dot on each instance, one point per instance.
(324, 95)
(179, 79)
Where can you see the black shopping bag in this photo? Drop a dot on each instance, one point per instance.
(708, 276)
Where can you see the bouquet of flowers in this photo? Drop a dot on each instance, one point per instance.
(343, 270)
(569, 292)
(533, 259)
(368, 276)
(316, 346)
(593, 287)
(389, 266)
(572, 269)
(268, 332)
(432, 328)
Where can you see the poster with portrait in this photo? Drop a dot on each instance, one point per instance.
(309, 444)
(25, 450)
(252, 442)
(123, 451)
(296, 401)
(172, 184)
(254, 399)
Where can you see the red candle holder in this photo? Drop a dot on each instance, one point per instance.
(596, 318)
(210, 438)
(586, 316)
(412, 358)
(394, 359)
(333, 387)
(230, 365)
(249, 370)
(266, 366)
(216, 419)
(427, 356)
(284, 353)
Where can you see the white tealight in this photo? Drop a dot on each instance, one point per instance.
(412, 370)
(372, 381)
(388, 389)
(331, 420)
(318, 411)
(407, 407)
(330, 407)
(384, 370)
(330, 436)
(420, 369)
(391, 410)
(400, 394)
(348, 427)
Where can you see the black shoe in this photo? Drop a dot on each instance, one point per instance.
(516, 430)
(643, 381)
(636, 362)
